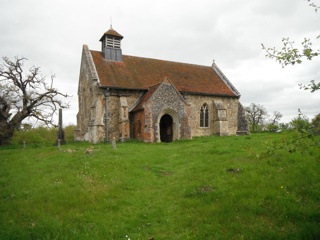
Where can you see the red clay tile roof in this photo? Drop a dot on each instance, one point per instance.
(145, 97)
(141, 73)
(150, 92)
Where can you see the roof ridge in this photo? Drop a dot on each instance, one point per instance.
(170, 61)
(163, 60)
(156, 59)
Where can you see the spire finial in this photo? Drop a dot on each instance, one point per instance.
(110, 22)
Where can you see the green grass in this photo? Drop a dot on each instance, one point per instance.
(207, 188)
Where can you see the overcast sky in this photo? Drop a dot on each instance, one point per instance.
(51, 34)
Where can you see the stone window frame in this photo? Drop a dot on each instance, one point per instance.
(204, 116)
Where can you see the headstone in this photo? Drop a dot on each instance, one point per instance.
(114, 145)
(60, 135)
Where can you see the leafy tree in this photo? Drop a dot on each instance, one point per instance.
(255, 114)
(300, 123)
(315, 123)
(303, 136)
(291, 55)
(314, 6)
(300, 139)
(25, 95)
(272, 127)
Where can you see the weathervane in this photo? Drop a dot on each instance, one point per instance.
(110, 22)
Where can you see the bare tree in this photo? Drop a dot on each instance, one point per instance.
(255, 114)
(25, 95)
(273, 121)
(275, 117)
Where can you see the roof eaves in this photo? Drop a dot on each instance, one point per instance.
(137, 102)
(123, 88)
(111, 32)
(208, 94)
(144, 98)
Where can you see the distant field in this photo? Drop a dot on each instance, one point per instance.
(207, 188)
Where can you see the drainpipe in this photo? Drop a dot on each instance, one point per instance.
(106, 94)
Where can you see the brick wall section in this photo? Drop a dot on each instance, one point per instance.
(138, 125)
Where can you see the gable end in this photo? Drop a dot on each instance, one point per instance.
(225, 79)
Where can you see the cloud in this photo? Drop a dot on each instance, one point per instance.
(51, 34)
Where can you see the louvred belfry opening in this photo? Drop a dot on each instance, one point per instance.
(111, 45)
(113, 42)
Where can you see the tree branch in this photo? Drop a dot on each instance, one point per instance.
(27, 95)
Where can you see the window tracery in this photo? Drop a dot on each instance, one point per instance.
(204, 116)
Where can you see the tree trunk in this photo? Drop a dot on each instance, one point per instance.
(6, 132)
(7, 128)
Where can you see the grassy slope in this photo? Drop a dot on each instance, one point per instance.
(182, 190)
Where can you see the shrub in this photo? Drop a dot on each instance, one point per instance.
(41, 135)
(300, 123)
(69, 133)
(272, 127)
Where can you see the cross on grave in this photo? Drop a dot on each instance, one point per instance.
(60, 135)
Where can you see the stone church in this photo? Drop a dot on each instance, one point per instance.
(126, 97)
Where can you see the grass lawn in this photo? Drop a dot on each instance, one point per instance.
(207, 188)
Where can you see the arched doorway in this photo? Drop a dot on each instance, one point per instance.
(166, 128)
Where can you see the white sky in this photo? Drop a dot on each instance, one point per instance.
(51, 34)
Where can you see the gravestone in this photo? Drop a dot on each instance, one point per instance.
(114, 144)
(60, 135)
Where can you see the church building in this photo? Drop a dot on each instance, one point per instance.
(127, 97)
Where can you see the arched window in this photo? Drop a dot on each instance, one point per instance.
(204, 116)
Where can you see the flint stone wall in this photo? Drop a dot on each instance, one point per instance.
(166, 100)
(197, 101)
